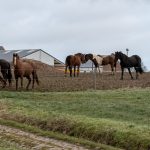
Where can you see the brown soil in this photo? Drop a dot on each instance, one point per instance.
(52, 79)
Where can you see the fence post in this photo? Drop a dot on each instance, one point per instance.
(94, 78)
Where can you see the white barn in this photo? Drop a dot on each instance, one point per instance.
(35, 54)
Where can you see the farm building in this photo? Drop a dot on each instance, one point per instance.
(35, 54)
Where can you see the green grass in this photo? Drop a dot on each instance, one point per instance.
(120, 118)
(6, 144)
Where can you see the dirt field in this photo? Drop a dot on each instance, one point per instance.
(52, 79)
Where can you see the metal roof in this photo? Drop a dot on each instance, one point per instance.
(8, 54)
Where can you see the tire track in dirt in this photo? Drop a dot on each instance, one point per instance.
(26, 140)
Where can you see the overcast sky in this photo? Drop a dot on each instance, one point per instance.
(63, 27)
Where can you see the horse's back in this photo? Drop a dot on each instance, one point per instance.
(108, 60)
(31, 62)
(4, 63)
(98, 58)
(135, 59)
(72, 60)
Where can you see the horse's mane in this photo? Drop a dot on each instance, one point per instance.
(100, 56)
(123, 55)
(78, 54)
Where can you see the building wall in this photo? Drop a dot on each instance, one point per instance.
(41, 56)
(89, 67)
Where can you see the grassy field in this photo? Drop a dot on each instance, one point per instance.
(119, 118)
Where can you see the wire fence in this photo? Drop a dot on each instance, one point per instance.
(53, 79)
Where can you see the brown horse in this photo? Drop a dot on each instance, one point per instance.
(110, 59)
(24, 68)
(74, 61)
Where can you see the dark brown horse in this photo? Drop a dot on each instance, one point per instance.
(6, 72)
(74, 61)
(129, 62)
(110, 60)
(24, 68)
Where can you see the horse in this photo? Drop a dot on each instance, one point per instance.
(24, 68)
(110, 59)
(74, 61)
(96, 59)
(6, 72)
(129, 62)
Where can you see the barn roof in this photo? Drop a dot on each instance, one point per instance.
(8, 54)
(2, 48)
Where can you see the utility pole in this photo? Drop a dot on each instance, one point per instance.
(127, 51)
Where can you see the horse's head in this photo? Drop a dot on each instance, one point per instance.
(15, 58)
(82, 57)
(88, 57)
(117, 55)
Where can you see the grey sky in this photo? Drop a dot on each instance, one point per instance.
(63, 27)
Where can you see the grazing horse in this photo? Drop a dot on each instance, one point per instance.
(74, 61)
(24, 68)
(6, 72)
(96, 59)
(129, 62)
(110, 59)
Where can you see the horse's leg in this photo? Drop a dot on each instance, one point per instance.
(95, 70)
(115, 66)
(33, 78)
(137, 75)
(29, 81)
(122, 69)
(4, 73)
(66, 70)
(3, 81)
(78, 70)
(99, 70)
(130, 73)
(16, 82)
(70, 69)
(112, 68)
(75, 71)
(21, 78)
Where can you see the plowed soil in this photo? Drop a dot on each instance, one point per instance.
(52, 79)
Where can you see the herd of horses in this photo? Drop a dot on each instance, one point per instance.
(28, 68)
(73, 61)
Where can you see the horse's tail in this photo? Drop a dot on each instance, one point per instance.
(9, 75)
(67, 63)
(36, 78)
(140, 70)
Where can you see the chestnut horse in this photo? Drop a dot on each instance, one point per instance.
(6, 72)
(74, 61)
(96, 59)
(110, 59)
(24, 68)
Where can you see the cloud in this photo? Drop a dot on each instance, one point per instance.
(62, 27)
